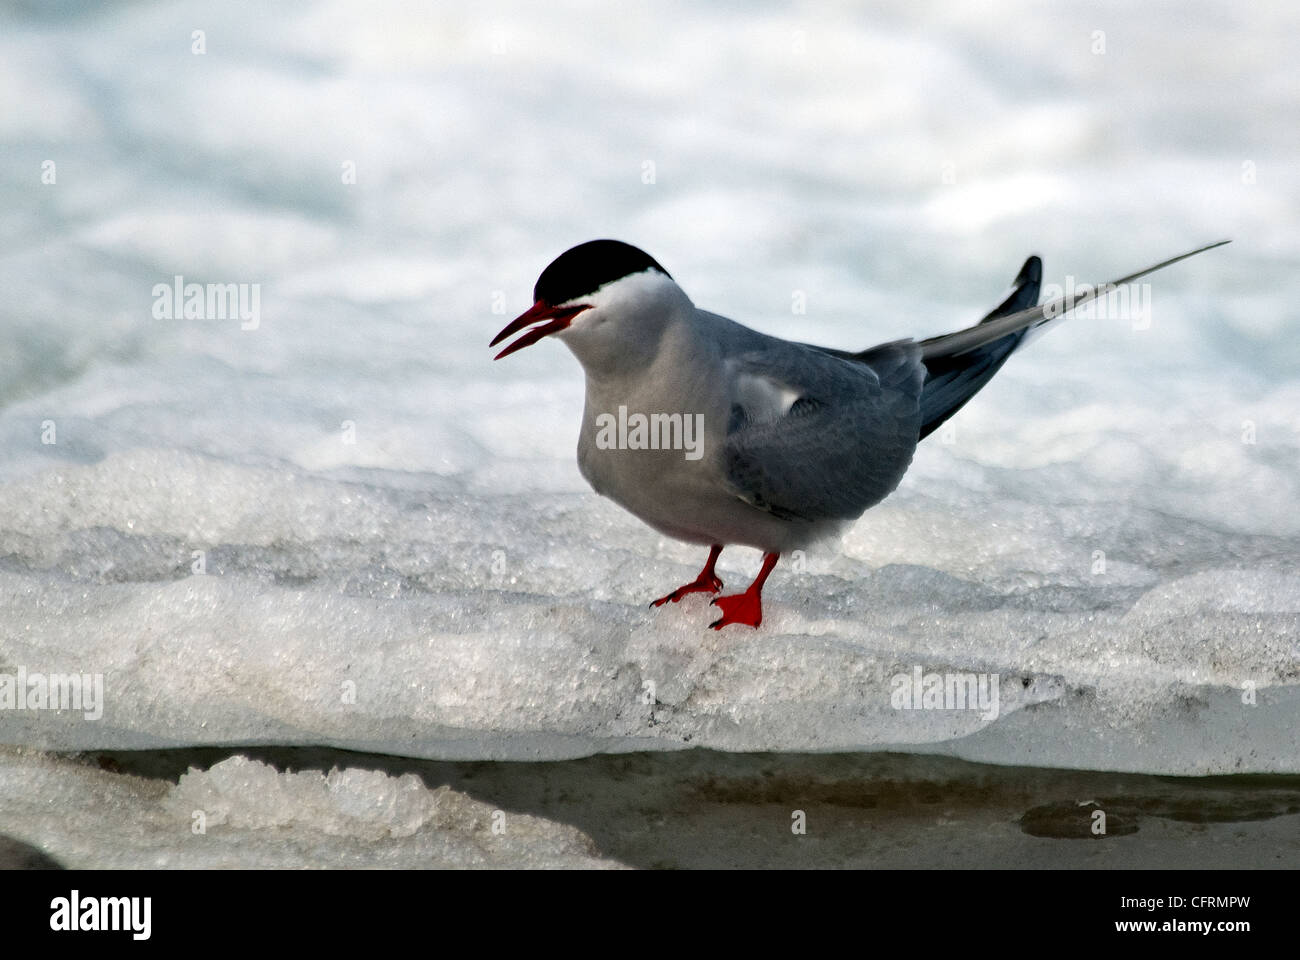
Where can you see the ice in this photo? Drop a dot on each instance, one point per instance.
(349, 528)
(439, 626)
(242, 813)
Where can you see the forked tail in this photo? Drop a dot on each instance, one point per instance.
(959, 364)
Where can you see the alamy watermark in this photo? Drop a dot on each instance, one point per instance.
(919, 690)
(179, 300)
(53, 691)
(1126, 301)
(77, 913)
(655, 431)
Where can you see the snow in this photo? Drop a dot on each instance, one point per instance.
(242, 814)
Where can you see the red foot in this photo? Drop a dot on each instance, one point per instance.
(701, 584)
(706, 582)
(747, 607)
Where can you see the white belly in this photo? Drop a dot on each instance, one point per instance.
(681, 492)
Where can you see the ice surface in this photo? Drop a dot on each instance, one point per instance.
(475, 627)
(241, 813)
(399, 553)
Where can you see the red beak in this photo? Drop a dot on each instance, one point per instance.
(557, 319)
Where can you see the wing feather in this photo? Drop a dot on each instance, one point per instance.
(840, 438)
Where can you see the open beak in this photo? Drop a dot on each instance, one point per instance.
(549, 320)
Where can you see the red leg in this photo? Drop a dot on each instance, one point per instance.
(706, 582)
(747, 607)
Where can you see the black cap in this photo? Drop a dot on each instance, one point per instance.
(589, 266)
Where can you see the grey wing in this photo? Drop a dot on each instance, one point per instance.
(814, 436)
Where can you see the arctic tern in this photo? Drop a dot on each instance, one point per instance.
(794, 441)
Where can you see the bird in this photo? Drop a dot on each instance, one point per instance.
(716, 434)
